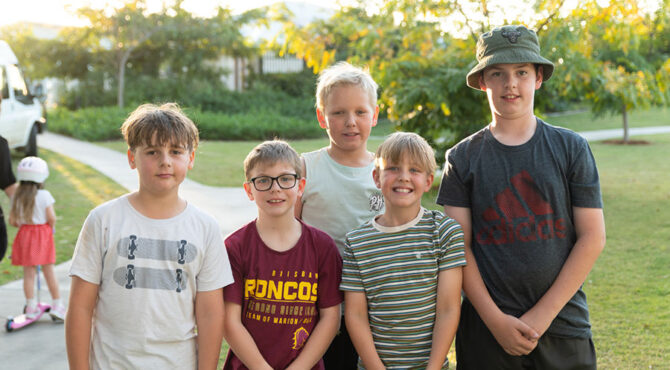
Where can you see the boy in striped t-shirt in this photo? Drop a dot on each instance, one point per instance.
(402, 270)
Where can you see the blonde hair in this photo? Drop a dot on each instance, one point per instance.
(166, 124)
(270, 152)
(407, 145)
(23, 202)
(343, 73)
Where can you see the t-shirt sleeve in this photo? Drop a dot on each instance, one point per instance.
(453, 190)
(583, 179)
(451, 244)
(351, 277)
(87, 257)
(6, 175)
(330, 273)
(215, 270)
(233, 291)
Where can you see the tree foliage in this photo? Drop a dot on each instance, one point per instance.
(419, 51)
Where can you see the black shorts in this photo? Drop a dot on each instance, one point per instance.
(341, 355)
(477, 349)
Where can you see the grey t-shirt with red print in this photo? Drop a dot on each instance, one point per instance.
(521, 200)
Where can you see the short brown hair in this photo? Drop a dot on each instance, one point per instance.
(166, 124)
(270, 152)
(406, 145)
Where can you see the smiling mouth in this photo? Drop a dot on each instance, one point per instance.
(275, 200)
(402, 190)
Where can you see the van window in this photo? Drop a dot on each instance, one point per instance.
(18, 85)
(3, 83)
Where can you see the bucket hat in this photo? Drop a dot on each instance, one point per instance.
(508, 45)
(32, 169)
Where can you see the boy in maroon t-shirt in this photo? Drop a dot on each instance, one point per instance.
(283, 310)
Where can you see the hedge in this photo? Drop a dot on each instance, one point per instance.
(103, 123)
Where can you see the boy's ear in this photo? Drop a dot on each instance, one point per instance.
(301, 186)
(375, 178)
(429, 182)
(131, 159)
(321, 118)
(374, 118)
(539, 78)
(191, 159)
(247, 189)
(482, 85)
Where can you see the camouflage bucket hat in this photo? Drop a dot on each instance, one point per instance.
(508, 45)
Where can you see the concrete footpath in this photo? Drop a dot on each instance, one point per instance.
(42, 345)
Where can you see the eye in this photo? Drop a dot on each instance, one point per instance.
(414, 170)
(177, 151)
(391, 168)
(262, 180)
(286, 178)
(523, 73)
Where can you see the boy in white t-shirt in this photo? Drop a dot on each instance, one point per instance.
(339, 192)
(149, 268)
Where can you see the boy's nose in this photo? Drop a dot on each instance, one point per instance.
(165, 159)
(350, 119)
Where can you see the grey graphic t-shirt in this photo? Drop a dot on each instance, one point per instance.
(148, 272)
(521, 199)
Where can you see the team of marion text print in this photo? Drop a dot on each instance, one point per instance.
(343, 268)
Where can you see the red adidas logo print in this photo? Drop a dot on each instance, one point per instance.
(521, 214)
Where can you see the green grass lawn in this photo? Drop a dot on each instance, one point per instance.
(628, 289)
(585, 121)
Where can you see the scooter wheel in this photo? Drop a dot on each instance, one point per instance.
(8, 325)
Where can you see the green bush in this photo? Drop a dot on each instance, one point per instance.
(207, 95)
(103, 123)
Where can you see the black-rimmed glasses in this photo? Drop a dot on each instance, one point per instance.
(264, 183)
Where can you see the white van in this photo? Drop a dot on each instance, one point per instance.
(21, 114)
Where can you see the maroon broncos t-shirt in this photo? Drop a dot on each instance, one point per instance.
(281, 292)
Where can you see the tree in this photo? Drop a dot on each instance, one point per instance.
(122, 33)
(419, 66)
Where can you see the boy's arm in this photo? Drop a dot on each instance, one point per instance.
(590, 229)
(447, 313)
(358, 325)
(239, 339)
(515, 336)
(78, 321)
(319, 340)
(298, 202)
(209, 314)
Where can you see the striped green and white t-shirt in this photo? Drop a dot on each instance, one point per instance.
(397, 269)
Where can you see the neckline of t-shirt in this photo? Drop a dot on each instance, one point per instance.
(403, 227)
(365, 169)
(159, 220)
(303, 231)
(516, 148)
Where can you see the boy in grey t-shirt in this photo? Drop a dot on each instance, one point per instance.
(528, 198)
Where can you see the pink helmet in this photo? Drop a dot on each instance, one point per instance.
(32, 169)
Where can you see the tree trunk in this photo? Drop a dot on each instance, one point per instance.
(624, 114)
(121, 76)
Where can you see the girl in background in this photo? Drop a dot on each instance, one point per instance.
(33, 213)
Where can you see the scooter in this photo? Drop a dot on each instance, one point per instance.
(21, 321)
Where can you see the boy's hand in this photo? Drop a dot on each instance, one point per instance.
(514, 336)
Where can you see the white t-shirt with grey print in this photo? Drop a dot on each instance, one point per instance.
(148, 272)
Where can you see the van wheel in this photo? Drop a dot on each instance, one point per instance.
(31, 146)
